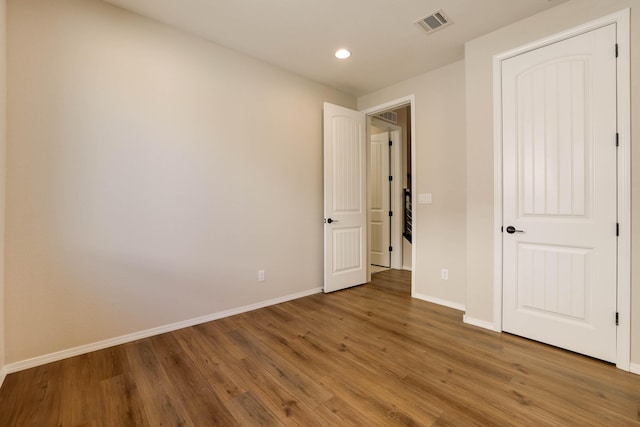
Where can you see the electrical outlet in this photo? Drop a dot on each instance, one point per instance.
(260, 275)
(444, 274)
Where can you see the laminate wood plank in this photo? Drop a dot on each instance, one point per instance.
(51, 398)
(42, 388)
(399, 353)
(463, 411)
(81, 386)
(248, 371)
(369, 374)
(18, 385)
(282, 401)
(287, 340)
(338, 412)
(372, 400)
(162, 404)
(304, 349)
(207, 360)
(282, 371)
(201, 402)
(549, 369)
(217, 337)
(249, 411)
(121, 402)
(369, 355)
(276, 397)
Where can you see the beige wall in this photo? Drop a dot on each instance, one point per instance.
(479, 104)
(150, 176)
(375, 130)
(3, 149)
(439, 234)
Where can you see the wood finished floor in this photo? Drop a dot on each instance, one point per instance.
(366, 356)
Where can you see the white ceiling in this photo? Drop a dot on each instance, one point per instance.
(302, 35)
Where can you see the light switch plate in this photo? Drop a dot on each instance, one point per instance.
(424, 198)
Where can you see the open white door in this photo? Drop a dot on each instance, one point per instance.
(559, 189)
(379, 200)
(345, 204)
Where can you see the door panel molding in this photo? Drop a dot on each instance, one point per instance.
(621, 20)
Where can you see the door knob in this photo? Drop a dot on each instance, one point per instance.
(511, 229)
(331, 220)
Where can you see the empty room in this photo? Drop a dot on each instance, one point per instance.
(319, 213)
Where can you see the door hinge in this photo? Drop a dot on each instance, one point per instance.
(390, 178)
(390, 213)
(617, 229)
(390, 248)
(617, 139)
(617, 319)
(616, 50)
(390, 143)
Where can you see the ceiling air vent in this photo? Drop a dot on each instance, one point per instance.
(433, 22)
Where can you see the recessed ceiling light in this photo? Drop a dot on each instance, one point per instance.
(343, 54)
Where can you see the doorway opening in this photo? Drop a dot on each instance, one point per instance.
(389, 171)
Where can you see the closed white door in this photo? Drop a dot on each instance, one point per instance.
(379, 200)
(559, 189)
(345, 210)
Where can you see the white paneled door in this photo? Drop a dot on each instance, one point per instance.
(345, 211)
(379, 200)
(559, 189)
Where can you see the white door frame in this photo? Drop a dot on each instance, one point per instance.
(621, 19)
(397, 103)
(395, 203)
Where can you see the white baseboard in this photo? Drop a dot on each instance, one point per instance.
(3, 375)
(439, 301)
(634, 368)
(479, 323)
(83, 349)
(404, 267)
